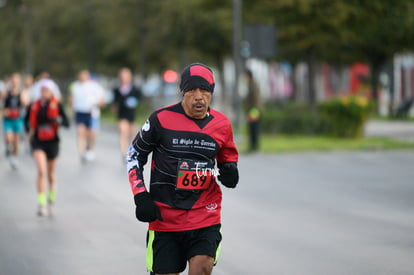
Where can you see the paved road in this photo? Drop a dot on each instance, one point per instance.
(312, 213)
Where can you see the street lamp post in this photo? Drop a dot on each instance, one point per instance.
(237, 24)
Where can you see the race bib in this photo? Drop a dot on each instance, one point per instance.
(194, 174)
(45, 132)
(131, 102)
(13, 113)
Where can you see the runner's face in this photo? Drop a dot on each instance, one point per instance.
(83, 76)
(125, 77)
(15, 80)
(196, 102)
(46, 93)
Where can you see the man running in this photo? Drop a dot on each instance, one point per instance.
(126, 99)
(86, 97)
(15, 100)
(183, 203)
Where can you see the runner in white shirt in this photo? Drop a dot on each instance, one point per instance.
(86, 97)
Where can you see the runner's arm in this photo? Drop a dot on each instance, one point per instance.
(26, 118)
(64, 117)
(115, 101)
(135, 170)
(142, 145)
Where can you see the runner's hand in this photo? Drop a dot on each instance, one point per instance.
(229, 174)
(146, 210)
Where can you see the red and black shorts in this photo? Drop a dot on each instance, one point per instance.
(168, 252)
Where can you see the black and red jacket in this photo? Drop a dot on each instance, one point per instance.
(44, 119)
(171, 136)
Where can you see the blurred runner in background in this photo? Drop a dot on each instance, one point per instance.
(126, 99)
(15, 100)
(86, 98)
(43, 120)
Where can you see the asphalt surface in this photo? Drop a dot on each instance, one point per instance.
(302, 213)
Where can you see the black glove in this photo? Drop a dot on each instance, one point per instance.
(229, 174)
(146, 210)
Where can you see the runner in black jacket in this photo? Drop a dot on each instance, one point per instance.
(183, 204)
(127, 97)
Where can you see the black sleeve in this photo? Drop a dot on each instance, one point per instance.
(148, 137)
(138, 93)
(62, 114)
(116, 95)
(26, 118)
(142, 145)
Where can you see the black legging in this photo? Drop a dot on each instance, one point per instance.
(254, 135)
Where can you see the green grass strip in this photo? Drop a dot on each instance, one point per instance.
(281, 143)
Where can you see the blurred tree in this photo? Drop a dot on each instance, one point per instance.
(152, 35)
(376, 31)
(185, 31)
(104, 35)
(341, 32)
(61, 36)
(11, 37)
(306, 30)
(124, 27)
